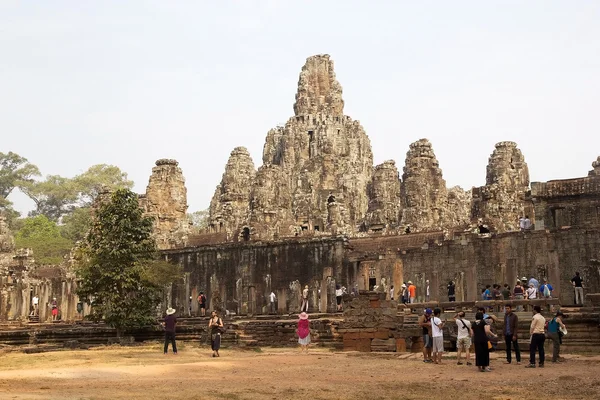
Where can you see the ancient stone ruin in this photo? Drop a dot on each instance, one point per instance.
(165, 202)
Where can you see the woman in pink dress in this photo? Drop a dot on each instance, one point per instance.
(303, 331)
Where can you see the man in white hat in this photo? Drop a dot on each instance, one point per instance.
(169, 324)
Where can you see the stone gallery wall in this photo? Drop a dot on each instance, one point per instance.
(239, 277)
(473, 261)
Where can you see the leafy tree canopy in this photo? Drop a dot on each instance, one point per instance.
(57, 196)
(199, 219)
(15, 171)
(119, 271)
(43, 236)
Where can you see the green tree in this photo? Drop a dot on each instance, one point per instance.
(15, 171)
(76, 224)
(57, 196)
(199, 219)
(97, 178)
(120, 275)
(43, 236)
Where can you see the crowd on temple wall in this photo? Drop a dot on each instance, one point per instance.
(482, 335)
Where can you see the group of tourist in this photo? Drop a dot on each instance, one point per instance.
(481, 335)
(215, 329)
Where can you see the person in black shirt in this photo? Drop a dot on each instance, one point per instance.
(577, 283)
(451, 291)
(169, 324)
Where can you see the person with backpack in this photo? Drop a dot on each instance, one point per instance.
(202, 304)
(463, 339)
(556, 330)
(511, 325)
(216, 328)
(546, 289)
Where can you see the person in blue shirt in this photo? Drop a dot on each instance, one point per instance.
(487, 293)
(555, 332)
(542, 289)
(534, 282)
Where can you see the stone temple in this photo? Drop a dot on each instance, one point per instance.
(317, 212)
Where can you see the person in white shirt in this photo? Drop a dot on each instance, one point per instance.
(463, 339)
(35, 303)
(272, 299)
(427, 292)
(338, 297)
(392, 292)
(437, 335)
(531, 292)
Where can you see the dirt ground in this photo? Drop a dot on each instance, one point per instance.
(145, 373)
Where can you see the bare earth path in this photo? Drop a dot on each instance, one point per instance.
(145, 373)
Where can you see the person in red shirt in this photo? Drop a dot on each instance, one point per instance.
(412, 292)
(303, 331)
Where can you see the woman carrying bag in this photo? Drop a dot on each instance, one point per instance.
(481, 331)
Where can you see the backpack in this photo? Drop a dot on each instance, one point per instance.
(546, 291)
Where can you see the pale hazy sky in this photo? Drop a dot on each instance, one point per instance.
(128, 82)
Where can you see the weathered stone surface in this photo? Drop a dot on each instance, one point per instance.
(229, 209)
(7, 242)
(424, 193)
(322, 163)
(458, 213)
(318, 90)
(596, 168)
(568, 203)
(501, 202)
(384, 211)
(166, 202)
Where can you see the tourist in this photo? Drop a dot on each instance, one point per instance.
(531, 293)
(451, 291)
(519, 294)
(556, 330)
(437, 335)
(272, 300)
(487, 293)
(427, 292)
(412, 292)
(534, 282)
(425, 324)
(506, 292)
(481, 331)
(202, 304)
(463, 339)
(190, 306)
(304, 306)
(577, 283)
(392, 293)
(537, 337)
(354, 290)
(546, 289)
(54, 306)
(303, 331)
(215, 327)
(338, 297)
(169, 324)
(35, 302)
(496, 293)
(404, 294)
(511, 326)
(525, 223)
